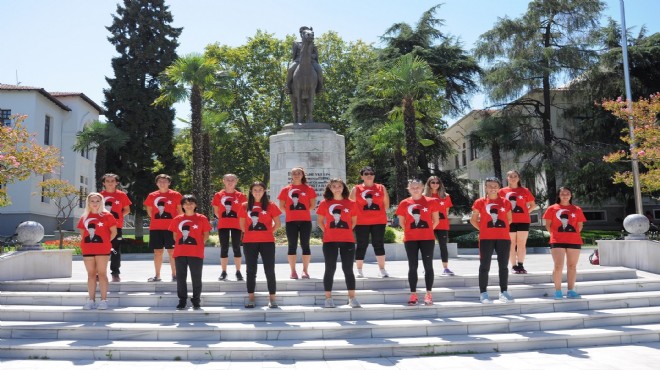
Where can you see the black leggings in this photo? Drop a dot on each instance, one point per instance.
(195, 264)
(413, 247)
(295, 228)
(252, 252)
(362, 233)
(330, 252)
(442, 236)
(115, 253)
(486, 248)
(223, 235)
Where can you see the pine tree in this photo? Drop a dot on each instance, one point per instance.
(142, 34)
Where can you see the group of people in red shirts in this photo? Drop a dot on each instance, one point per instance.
(350, 221)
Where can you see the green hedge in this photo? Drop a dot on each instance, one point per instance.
(537, 238)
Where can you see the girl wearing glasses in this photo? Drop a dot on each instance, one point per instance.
(435, 189)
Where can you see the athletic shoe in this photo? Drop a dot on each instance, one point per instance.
(447, 272)
(153, 279)
(294, 276)
(515, 270)
(272, 304)
(173, 279)
(250, 304)
(329, 303)
(428, 299)
(181, 305)
(413, 299)
(483, 298)
(572, 294)
(521, 269)
(103, 305)
(196, 305)
(89, 304)
(383, 273)
(116, 278)
(359, 274)
(239, 276)
(505, 297)
(305, 275)
(353, 302)
(558, 295)
(223, 276)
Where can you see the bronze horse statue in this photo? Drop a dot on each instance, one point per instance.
(305, 81)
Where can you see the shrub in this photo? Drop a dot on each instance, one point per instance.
(537, 238)
(390, 235)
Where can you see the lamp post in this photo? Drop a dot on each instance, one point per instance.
(633, 148)
(635, 224)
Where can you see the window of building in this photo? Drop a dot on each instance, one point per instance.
(456, 164)
(82, 196)
(47, 131)
(5, 115)
(474, 154)
(595, 215)
(656, 214)
(44, 198)
(464, 155)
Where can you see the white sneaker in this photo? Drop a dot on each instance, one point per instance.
(383, 273)
(505, 297)
(359, 274)
(329, 303)
(353, 302)
(89, 304)
(103, 305)
(484, 298)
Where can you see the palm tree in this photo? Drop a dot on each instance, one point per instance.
(497, 134)
(100, 136)
(410, 79)
(191, 76)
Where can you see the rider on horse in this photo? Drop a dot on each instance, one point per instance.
(297, 47)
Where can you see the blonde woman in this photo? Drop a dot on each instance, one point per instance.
(97, 229)
(522, 201)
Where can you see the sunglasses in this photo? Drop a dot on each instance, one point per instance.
(434, 182)
(368, 174)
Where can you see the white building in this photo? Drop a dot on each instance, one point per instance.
(477, 165)
(55, 119)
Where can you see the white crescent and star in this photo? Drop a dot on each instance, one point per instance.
(413, 206)
(158, 200)
(292, 191)
(489, 206)
(223, 199)
(365, 192)
(508, 195)
(332, 207)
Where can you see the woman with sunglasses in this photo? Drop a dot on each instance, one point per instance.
(435, 189)
(372, 203)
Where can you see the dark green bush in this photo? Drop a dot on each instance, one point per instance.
(537, 238)
(390, 235)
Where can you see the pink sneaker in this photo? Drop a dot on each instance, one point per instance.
(294, 276)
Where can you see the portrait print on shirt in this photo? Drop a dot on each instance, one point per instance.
(336, 211)
(255, 225)
(296, 205)
(369, 198)
(91, 230)
(227, 202)
(160, 206)
(514, 198)
(185, 233)
(562, 216)
(495, 222)
(418, 223)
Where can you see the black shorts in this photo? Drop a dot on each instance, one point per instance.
(159, 239)
(566, 246)
(94, 255)
(518, 226)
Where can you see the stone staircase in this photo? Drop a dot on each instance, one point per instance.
(42, 319)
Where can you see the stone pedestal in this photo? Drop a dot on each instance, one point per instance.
(36, 264)
(638, 254)
(313, 146)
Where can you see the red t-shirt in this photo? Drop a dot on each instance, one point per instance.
(96, 233)
(296, 202)
(259, 222)
(370, 207)
(418, 223)
(189, 235)
(337, 229)
(444, 204)
(115, 203)
(564, 223)
(493, 223)
(163, 208)
(518, 197)
(228, 206)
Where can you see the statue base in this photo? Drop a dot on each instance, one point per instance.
(315, 147)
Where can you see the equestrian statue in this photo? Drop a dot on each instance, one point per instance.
(304, 78)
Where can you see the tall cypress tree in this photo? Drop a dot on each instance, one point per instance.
(142, 34)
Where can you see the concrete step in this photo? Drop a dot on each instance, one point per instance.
(291, 330)
(206, 350)
(316, 297)
(311, 313)
(316, 284)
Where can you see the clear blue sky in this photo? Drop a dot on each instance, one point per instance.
(62, 45)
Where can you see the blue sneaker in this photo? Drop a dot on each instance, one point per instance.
(484, 298)
(558, 295)
(505, 297)
(572, 294)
